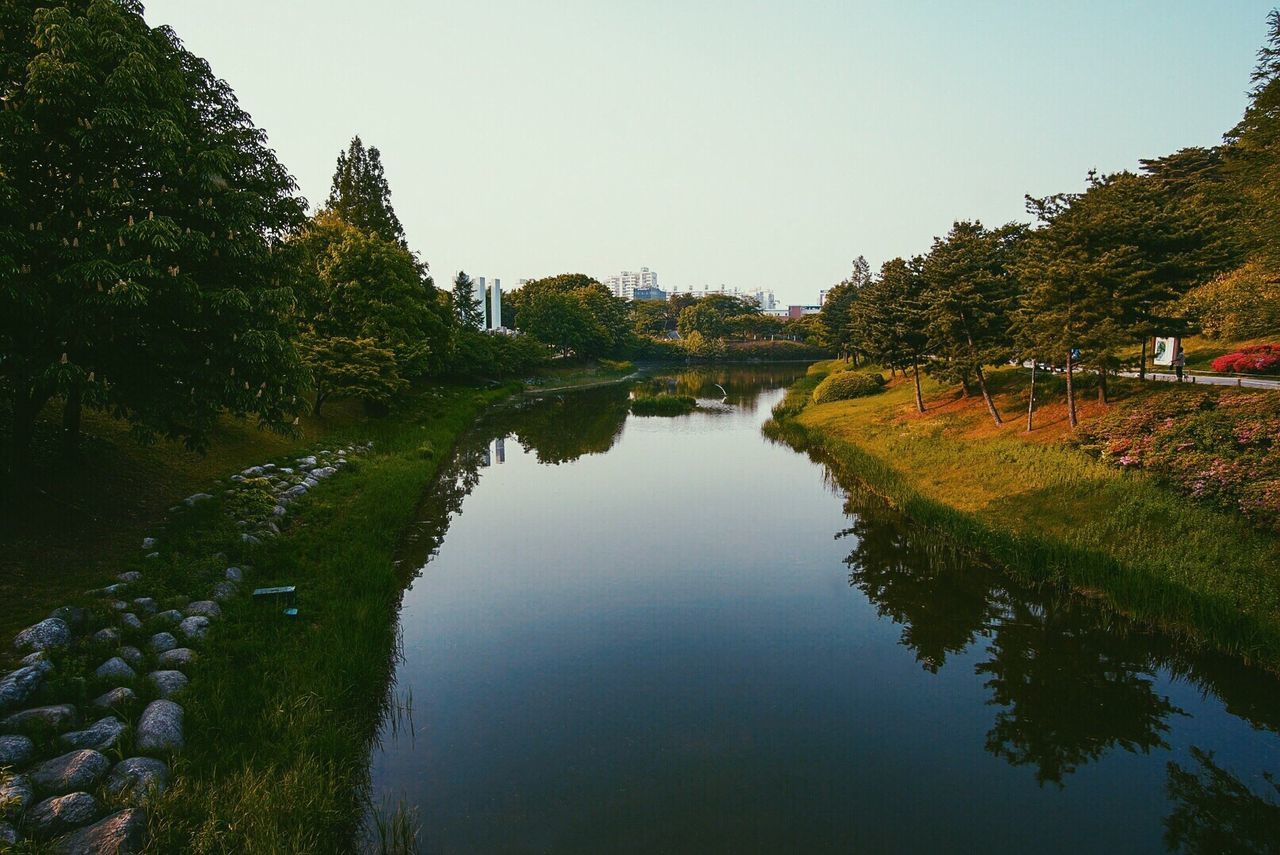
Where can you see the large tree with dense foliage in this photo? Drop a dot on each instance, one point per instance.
(969, 294)
(888, 320)
(141, 214)
(360, 194)
(713, 315)
(360, 294)
(837, 308)
(575, 314)
(466, 305)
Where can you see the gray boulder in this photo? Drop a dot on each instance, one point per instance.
(160, 728)
(250, 540)
(148, 543)
(130, 621)
(278, 511)
(40, 657)
(171, 617)
(8, 834)
(192, 501)
(168, 683)
(204, 608)
(194, 627)
(294, 492)
(123, 833)
(17, 686)
(62, 813)
(234, 574)
(72, 616)
(115, 668)
(50, 632)
(106, 635)
(132, 655)
(179, 657)
(162, 641)
(115, 699)
(129, 576)
(57, 717)
(75, 770)
(15, 751)
(146, 605)
(224, 591)
(101, 735)
(138, 779)
(15, 794)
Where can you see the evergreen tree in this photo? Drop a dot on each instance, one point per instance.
(888, 319)
(838, 306)
(1253, 153)
(466, 305)
(141, 213)
(360, 193)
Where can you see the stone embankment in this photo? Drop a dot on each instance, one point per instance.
(105, 679)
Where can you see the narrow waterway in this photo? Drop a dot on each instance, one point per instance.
(649, 634)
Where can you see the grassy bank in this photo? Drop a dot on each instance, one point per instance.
(1049, 511)
(280, 712)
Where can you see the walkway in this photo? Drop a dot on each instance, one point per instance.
(1210, 379)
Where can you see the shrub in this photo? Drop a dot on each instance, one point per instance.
(622, 366)
(663, 405)
(1241, 304)
(1259, 359)
(847, 384)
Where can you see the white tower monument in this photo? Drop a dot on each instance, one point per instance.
(495, 305)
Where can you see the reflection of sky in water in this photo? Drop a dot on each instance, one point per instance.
(659, 644)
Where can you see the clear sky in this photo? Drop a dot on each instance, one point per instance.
(754, 144)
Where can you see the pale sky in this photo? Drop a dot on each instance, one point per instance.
(751, 144)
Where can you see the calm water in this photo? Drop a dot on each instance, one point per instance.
(658, 634)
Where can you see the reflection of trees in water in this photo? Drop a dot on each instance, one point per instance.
(1217, 812)
(1072, 680)
(742, 385)
(562, 428)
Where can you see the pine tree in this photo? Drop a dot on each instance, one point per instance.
(360, 193)
(889, 322)
(466, 305)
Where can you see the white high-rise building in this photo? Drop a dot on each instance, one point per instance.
(495, 305)
(624, 284)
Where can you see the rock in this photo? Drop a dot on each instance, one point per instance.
(130, 621)
(107, 591)
(115, 668)
(307, 461)
(323, 473)
(132, 655)
(250, 540)
(148, 542)
(8, 834)
(138, 779)
(123, 833)
(72, 616)
(40, 657)
(146, 605)
(224, 591)
(294, 492)
(17, 686)
(160, 728)
(56, 717)
(171, 616)
(15, 751)
(179, 657)
(193, 627)
(75, 770)
(15, 794)
(48, 633)
(192, 501)
(278, 511)
(153, 555)
(234, 574)
(162, 641)
(115, 699)
(168, 683)
(252, 472)
(62, 813)
(108, 635)
(101, 735)
(129, 576)
(204, 608)
(119, 606)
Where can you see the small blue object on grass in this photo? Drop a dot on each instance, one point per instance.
(283, 593)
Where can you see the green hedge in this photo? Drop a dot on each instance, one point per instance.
(847, 384)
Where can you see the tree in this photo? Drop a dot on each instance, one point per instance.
(1253, 154)
(712, 315)
(352, 368)
(142, 214)
(969, 294)
(360, 193)
(837, 309)
(466, 305)
(361, 295)
(888, 319)
(575, 314)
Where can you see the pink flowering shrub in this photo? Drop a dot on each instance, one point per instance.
(1221, 448)
(1258, 359)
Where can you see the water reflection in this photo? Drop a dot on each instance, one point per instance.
(1217, 812)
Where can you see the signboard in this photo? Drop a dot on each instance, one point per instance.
(1164, 351)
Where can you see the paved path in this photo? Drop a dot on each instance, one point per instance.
(1210, 379)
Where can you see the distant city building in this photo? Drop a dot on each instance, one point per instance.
(625, 284)
(822, 297)
(800, 311)
(763, 297)
(495, 305)
(656, 295)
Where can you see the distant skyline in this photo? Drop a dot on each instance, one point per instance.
(755, 144)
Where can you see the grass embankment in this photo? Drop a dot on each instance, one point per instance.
(281, 712)
(578, 374)
(1050, 512)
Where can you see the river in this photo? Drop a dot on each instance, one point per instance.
(672, 634)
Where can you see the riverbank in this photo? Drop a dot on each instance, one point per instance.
(1050, 512)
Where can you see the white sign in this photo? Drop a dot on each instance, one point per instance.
(1166, 349)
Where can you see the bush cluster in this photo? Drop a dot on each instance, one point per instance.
(1222, 448)
(1259, 359)
(663, 405)
(847, 384)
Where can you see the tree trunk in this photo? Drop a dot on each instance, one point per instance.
(71, 421)
(915, 367)
(320, 399)
(1031, 403)
(1142, 366)
(986, 396)
(1071, 392)
(1102, 385)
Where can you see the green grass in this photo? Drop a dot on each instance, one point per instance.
(571, 373)
(663, 405)
(281, 713)
(1049, 512)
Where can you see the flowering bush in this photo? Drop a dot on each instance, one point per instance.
(1259, 359)
(1221, 448)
